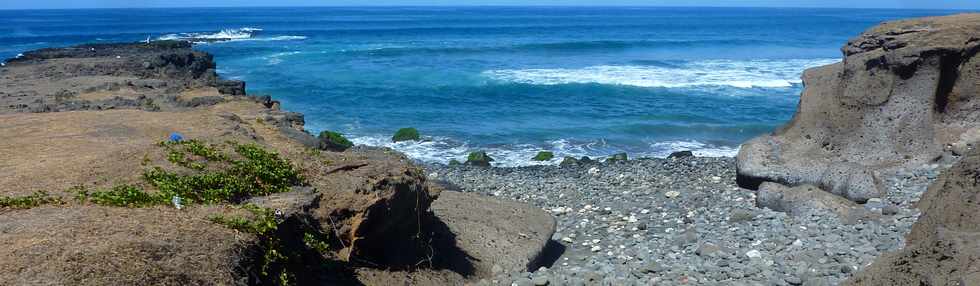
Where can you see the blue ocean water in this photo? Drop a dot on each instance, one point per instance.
(509, 80)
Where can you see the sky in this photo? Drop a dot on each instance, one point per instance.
(900, 4)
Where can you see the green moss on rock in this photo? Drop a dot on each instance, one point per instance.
(620, 157)
(479, 158)
(406, 134)
(333, 141)
(544, 156)
(568, 161)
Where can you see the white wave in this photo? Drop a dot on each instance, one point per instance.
(734, 73)
(227, 35)
(277, 38)
(663, 149)
(442, 150)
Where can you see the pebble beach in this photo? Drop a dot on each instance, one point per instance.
(684, 221)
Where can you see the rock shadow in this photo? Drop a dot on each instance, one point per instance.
(553, 250)
(298, 260)
(446, 254)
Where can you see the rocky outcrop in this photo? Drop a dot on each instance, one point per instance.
(807, 199)
(149, 76)
(904, 95)
(379, 221)
(359, 216)
(944, 245)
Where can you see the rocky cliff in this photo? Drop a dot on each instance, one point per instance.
(904, 95)
(943, 247)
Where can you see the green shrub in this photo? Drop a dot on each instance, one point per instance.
(543, 156)
(406, 134)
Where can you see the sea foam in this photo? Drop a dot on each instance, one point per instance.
(733, 73)
(441, 150)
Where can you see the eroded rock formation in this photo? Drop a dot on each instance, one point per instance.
(943, 247)
(904, 95)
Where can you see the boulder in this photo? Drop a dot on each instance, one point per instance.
(333, 141)
(568, 162)
(508, 234)
(806, 199)
(230, 87)
(406, 134)
(619, 157)
(944, 245)
(479, 158)
(543, 156)
(376, 209)
(903, 92)
(681, 155)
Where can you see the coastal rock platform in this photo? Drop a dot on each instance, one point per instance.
(88, 130)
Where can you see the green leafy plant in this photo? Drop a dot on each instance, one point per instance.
(253, 172)
(30, 201)
(122, 196)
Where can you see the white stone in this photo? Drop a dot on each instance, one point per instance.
(596, 248)
(753, 254)
(672, 194)
(593, 171)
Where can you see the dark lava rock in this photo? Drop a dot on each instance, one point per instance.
(569, 161)
(333, 141)
(681, 155)
(620, 157)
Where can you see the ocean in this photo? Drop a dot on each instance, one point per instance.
(508, 80)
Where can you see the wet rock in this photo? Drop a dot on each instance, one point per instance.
(619, 157)
(680, 155)
(479, 158)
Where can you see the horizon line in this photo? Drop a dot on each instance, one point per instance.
(487, 6)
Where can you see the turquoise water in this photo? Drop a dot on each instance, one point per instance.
(513, 81)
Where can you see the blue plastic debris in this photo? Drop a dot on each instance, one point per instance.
(176, 137)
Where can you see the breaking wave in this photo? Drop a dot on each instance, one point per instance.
(733, 73)
(227, 35)
(441, 150)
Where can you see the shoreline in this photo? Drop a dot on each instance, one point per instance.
(805, 205)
